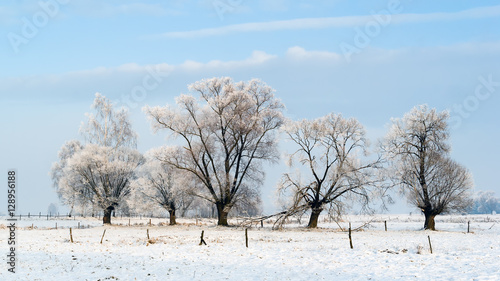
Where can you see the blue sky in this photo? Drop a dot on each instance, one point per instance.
(371, 60)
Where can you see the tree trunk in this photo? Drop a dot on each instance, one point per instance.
(429, 221)
(172, 217)
(221, 214)
(313, 220)
(106, 219)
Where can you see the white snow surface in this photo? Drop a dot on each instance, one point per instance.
(295, 253)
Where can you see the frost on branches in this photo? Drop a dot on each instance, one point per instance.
(67, 194)
(99, 172)
(227, 133)
(159, 184)
(330, 150)
(418, 150)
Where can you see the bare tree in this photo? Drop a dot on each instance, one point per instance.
(162, 185)
(227, 133)
(99, 172)
(330, 150)
(417, 148)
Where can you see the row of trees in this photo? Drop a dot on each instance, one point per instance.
(230, 130)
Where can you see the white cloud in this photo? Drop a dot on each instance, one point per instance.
(332, 22)
(299, 53)
(257, 57)
(396, 71)
(124, 77)
(306, 23)
(474, 13)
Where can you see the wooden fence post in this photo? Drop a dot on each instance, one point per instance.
(468, 227)
(430, 245)
(70, 235)
(246, 237)
(147, 233)
(350, 239)
(103, 235)
(385, 225)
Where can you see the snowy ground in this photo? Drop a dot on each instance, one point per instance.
(173, 253)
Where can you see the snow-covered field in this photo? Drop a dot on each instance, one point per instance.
(295, 253)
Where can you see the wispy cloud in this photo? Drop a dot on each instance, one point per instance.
(121, 79)
(299, 53)
(474, 13)
(295, 24)
(331, 22)
(257, 58)
(389, 74)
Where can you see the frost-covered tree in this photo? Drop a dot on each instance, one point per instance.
(103, 175)
(418, 150)
(227, 133)
(330, 150)
(159, 184)
(99, 172)
(485, 202)
(68, 195)
(108, 127)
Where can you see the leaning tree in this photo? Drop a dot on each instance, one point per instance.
(99, 172)
(418, 150)
(330, 151)
(227, 133)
